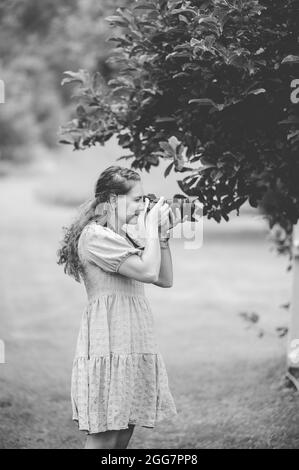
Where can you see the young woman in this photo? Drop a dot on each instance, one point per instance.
(119, 378)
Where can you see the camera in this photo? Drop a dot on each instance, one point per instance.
(185, 205)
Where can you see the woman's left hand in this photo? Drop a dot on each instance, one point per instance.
(174, 219)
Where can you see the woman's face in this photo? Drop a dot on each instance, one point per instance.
(130, 205)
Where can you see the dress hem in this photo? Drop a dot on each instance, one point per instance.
(85, 428)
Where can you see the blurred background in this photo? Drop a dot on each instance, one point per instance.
(221, 326)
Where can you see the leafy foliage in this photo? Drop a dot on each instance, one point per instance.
(205, 84)
(38, 40)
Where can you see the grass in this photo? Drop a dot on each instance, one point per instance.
(226, 381)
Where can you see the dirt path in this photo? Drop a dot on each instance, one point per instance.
(226, 381)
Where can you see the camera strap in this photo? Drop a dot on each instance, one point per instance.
(132, 241)
(129, 239)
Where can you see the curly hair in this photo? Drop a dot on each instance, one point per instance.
(113, 180)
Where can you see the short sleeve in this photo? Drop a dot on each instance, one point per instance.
(107, 249)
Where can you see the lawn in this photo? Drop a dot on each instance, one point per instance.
(227, 381)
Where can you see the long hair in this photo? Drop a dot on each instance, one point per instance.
(113, 180)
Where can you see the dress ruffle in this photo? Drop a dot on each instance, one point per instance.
(114, 390)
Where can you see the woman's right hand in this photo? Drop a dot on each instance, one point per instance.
(159, 213)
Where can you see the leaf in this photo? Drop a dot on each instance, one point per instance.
(184, 168)
(203, 102)
(160, 154)
(183, 186)
(80, 111)
(180, 74)
(253, 202)
(64, 141)
(211, 23)
(225, 216)
(282, 330)
(217, 216)
(174, 142)
(167, 148)
(290, 120)
(184, 19)
(150, 90)
(126, 14)
(257, 91)
(122, 88)
(126, 157)
(120, 81)
(183, 46)
(145, 6)
(164, 119)
(124, 139)
(250, 317)
(294, 136)
(168, 169)
(207, 19)
(183, 10)
(206, 167)
(246, 91)
(177, 54)
(118, 20)
(195, 42)
(121, 40)
(98, 81)
(195, 158)
(237, 204)
(285, 306)
(81, 76)
(290, 59)
(217, 175)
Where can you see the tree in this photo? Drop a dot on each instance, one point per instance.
(215, 74)
(37, 41)
(206, 84)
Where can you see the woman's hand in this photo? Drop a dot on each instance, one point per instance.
(173, 220)
(159, 213)
(175, 217)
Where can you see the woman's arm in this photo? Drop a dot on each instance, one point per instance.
(144, 268)
(165, 278)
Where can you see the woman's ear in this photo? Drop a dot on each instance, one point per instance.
(100, 208)
(113, 199)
